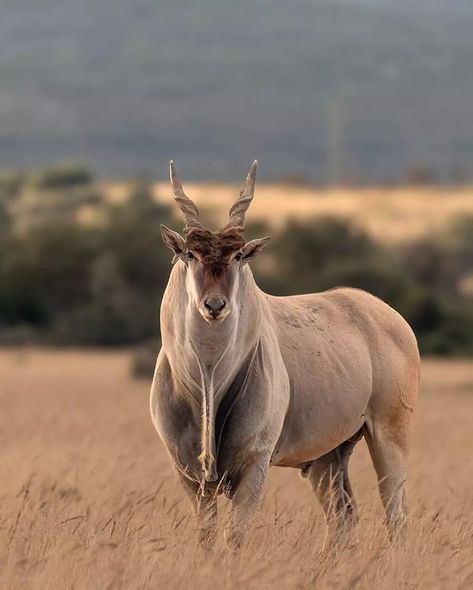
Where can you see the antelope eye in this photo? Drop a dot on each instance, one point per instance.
(190, 256)
(238, 256)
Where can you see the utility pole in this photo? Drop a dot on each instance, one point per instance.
(335, 142)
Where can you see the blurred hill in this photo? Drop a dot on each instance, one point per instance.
(362, 90)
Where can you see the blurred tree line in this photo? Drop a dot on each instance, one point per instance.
(63, 281)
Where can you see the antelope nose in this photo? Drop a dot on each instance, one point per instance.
(214, 305)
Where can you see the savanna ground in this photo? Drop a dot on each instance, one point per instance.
(88, 498)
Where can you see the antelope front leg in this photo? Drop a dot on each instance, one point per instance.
(206, 513)
(205, 509)
(245, 502)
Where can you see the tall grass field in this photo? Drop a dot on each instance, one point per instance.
(89, 500)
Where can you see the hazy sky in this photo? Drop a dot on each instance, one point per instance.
(354, 87)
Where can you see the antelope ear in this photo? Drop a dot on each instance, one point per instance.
(174, 241)
(254, 247)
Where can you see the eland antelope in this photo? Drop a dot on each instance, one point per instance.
(245, 381)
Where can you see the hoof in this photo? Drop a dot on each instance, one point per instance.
(207, 538)
(233, 539)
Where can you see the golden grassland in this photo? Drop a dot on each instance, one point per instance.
(390, 214)
(88, 498)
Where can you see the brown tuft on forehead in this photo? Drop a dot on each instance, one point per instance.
(214, 248)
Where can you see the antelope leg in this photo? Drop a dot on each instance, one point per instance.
(245, 502)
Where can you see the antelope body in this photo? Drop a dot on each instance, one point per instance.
(245, 380)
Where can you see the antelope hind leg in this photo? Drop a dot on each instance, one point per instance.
(387, 443)
(329, 480)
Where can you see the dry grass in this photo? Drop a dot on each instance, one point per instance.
(88, 499)
(392, 214)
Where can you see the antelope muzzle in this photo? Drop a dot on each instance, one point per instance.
(215, 308)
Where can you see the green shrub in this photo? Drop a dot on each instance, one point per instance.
(302, 251)
(61, 176)
(62, 282)
(143, 360)
(5, 218)
(11, 184)
(454, 336)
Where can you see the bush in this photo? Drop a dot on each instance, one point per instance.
(61, 176)
(5, 218)
(11, 184)
(143, 360)
(454, 336)
(302, 252)
(69, 284)
(74, 284)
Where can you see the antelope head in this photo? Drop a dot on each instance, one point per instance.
(213, 260)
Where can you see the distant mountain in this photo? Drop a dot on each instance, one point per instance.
(360, 88)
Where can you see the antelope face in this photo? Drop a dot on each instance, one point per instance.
(213, 265)
(213, 260)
